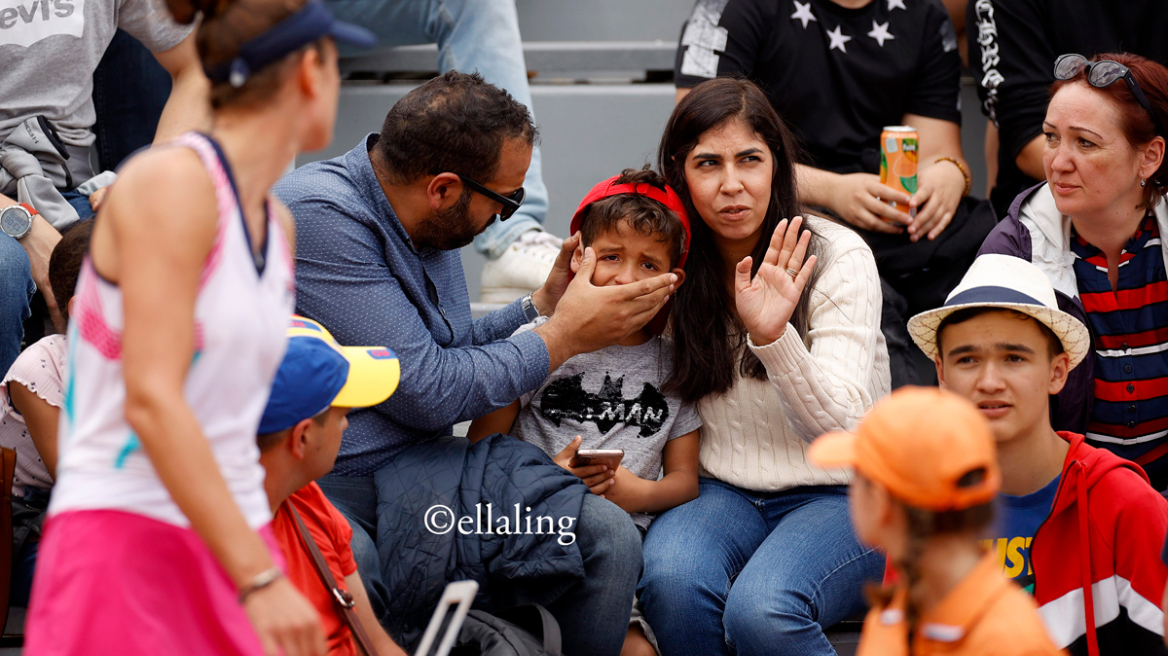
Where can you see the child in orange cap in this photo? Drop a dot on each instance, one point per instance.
(926, 477)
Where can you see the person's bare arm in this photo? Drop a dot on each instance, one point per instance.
(677, 486)
(499, 421)
(1030, 159)
(384, 644)
(41, 419)
(858, 198)
(991, 156)
(189, 105)
(152, 244)
(940, 183)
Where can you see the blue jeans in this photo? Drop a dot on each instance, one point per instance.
(471, 35)
(17, 287)
(740, 572)
(16, 290)
(593, 613)
(28, 514)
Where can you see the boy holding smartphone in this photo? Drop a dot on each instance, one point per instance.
(613, 398)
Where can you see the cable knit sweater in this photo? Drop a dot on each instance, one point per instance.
(755, 436)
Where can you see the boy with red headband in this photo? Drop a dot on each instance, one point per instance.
(613, 398)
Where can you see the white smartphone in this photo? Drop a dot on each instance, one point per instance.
(585, 457)
(451, 611)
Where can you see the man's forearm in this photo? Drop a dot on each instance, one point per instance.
(384, 645)
(558, 342)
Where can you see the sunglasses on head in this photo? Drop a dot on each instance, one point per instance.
(1101, 74)
(510, 203)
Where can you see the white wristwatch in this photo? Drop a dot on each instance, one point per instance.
(16, 220)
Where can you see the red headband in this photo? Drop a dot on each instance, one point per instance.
(667, 197)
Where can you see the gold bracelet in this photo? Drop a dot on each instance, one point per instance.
(964, 173)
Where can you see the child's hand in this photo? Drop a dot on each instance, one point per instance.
(597, 477)
(624, 491)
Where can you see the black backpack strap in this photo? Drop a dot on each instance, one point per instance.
(536, 620)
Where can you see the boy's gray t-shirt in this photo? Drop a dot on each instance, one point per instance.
(613, 399)
(49, 50)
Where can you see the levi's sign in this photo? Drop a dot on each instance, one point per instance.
(24, 22)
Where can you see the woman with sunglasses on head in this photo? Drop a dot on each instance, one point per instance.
(1094, 227)
(158, 537)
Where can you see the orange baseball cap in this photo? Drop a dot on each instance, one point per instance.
(919, 442)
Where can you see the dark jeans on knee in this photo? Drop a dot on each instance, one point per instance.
(593, 613)
(16, 290)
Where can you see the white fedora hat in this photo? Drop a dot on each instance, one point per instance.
(1010, 283)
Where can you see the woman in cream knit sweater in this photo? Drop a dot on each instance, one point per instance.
(777, 338)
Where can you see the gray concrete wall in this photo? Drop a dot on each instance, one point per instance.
(602, 20)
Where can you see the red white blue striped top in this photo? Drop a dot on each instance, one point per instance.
(1129, 327)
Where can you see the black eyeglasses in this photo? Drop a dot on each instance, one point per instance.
(1103, 73)
(509, 203)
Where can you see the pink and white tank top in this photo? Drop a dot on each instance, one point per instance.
(241, 315)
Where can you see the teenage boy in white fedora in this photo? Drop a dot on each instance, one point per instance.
(1080, 527)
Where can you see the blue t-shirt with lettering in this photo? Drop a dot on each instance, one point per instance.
(1018, 520)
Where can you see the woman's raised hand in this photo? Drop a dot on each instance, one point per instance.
(766, 303)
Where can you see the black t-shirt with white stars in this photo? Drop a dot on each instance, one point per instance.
(836, 75)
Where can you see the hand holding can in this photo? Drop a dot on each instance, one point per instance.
(899, 157)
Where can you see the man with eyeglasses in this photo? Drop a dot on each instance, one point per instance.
(378, 233)
(1013, 45)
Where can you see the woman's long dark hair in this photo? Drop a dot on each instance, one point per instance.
(708, 339)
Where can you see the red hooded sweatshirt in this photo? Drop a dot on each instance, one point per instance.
(1098, 554)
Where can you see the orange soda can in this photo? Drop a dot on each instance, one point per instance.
(899, 155)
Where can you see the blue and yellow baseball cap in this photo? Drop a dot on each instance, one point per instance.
(318, 373)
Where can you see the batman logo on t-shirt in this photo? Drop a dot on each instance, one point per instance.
(566, 399)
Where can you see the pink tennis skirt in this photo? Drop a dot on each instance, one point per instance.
(114, 582)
